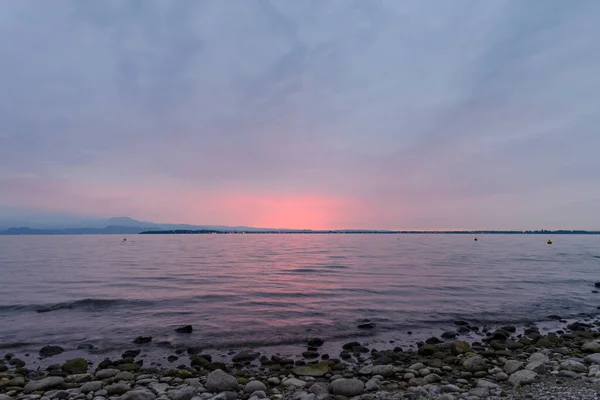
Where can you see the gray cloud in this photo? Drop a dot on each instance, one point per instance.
(465, 112)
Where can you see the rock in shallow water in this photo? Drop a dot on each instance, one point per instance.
(220, 381)
(315, 370)
(49, 351)
(184, 329)
(245, 355)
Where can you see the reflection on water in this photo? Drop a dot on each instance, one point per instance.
(280, 288)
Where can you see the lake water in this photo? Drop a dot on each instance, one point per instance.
(268, 290)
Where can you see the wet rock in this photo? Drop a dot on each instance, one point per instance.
(43, 384)
(293, 382)
(138, 394)
(106, 373)
(591, 347)
(475, 364)
(572, 365)
(255, 386)
(449, 335)
(315, 370)
(182, 393)
(315, 342)
(347, 387)
(184, 329)
(538, 357)
(522, 377)
(480, 392)
(366, 325)
(433, 340)
(93, 386)
(512, 366)
(130, 354)
(384, 370)
(536, 366)
(593, 359)
(49, 351)
(142, 339)
(426, 350)
(460, 347)
(75, 366)
(197, 361)
(245, 355)
(310, 355)
(569, 374)
(219, 381)
(172, 359)
(124, 376)
(117, 389)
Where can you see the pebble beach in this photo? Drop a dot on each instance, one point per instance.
(505, 363)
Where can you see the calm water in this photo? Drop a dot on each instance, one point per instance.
(241, 290)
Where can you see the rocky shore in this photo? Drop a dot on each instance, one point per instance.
(505, 363)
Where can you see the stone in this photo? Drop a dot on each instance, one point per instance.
(319, 389)
(522, 377)
(315, 342)
(254, 386)
(347, 387)
(487, 384)
(501, 377)
(220, 381)
(274, 381)
(450, 389)
(184, 329)
(475, 364)
(310, 354)
(373, 385)
(572, 365)
(129, 367)
(117, 389)
(182, 393)
(93, 386)
(538, 357)
(432, 378)
(245, 355)
(512, 366)
(593, 359)
(79, 378)
(49, 351)
(316, 370)
(293, 382)
(480, 392)
(142, 339)
(106, 373)
(384, 370)
(427, 350)
(449, 335)
(124, 376)
(569, 374)
(536, 366)
(44, 384)
(17, 381)
(460, 347)
(138, 394)
(591, 347)
(75, 366)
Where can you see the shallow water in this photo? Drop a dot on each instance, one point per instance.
(262, 290)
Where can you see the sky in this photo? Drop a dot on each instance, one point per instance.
(372, 114)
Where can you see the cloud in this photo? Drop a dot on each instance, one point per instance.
(420, 114)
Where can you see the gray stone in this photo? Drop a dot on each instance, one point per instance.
(274, 381)
(220, 381)
(512, 366)
(450, 389)
(366, 370)
(159, 388)
(320, 389)
(536, 366)
(182, 393)
(475, 364)
(258, 395)
(538, 357)
(487, 384)
(593, 359)
(5, 397)
(254, 386)
(138, 394)
(42, 385)
(481, 392)
(124, 376)
(569, 374)
(102, 393)
(572, 365)
(384, 370)
(522, 377)
(93, 386)
(106, 373)
(432, 378)
(79, 378)
(226, 396)
(417, 366)
(17, 381)
(347, 387)
(446, 397)
(501, 377)
(373, 385)
(408, 376)
(294, 382)
(591, 347)
(117, 389)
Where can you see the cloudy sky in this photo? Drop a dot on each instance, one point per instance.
(303, 113)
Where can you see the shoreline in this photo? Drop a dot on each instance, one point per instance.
(450, 365)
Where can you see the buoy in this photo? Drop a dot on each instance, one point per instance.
(549, 241)
(124, 239)
(476, 238)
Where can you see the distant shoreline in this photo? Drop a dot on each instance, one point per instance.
(366, 232)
